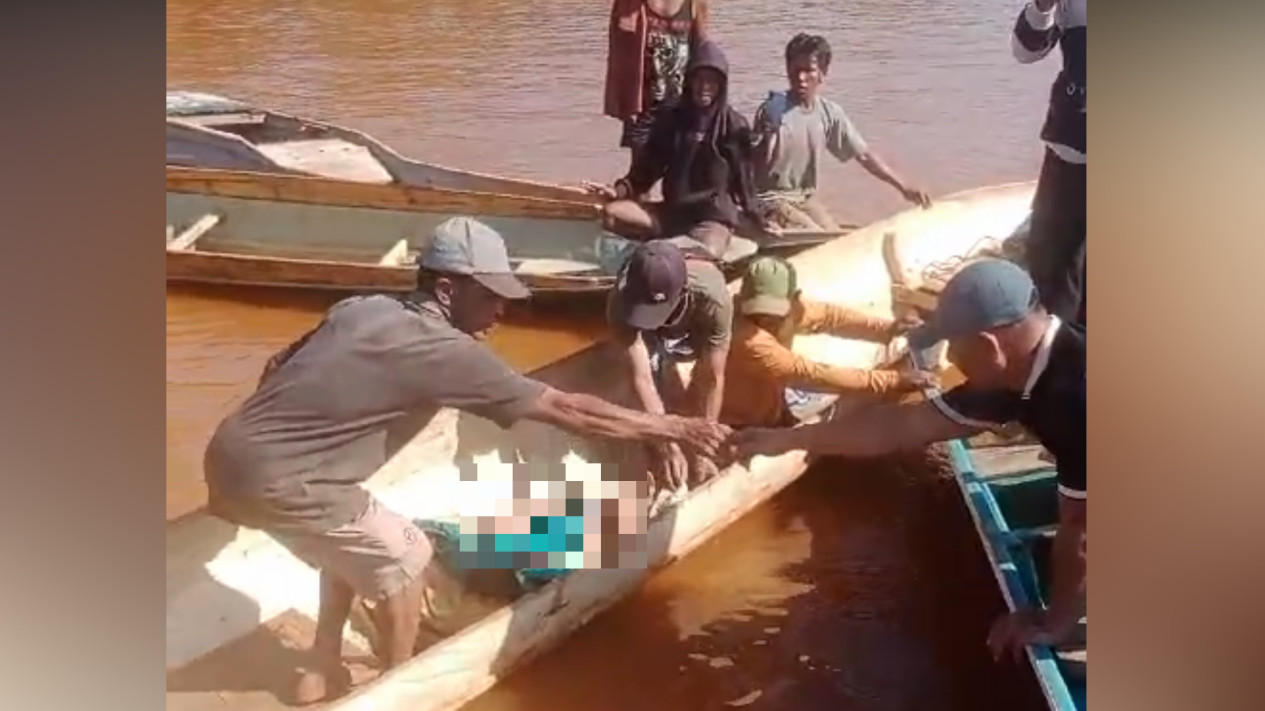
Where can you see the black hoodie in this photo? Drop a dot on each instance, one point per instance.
(702, 155)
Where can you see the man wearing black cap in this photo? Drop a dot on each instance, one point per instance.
(668, 306)
(1022, 364)
(333, 407)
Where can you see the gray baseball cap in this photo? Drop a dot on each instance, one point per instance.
(465, 246)
(986, 294)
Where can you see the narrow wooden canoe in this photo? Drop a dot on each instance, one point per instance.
(261, 229)
(209, 131)
(225, 584)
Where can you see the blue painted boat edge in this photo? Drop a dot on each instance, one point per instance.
(992, 529)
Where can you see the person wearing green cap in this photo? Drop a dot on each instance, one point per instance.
(1022, 364)
(777, 382)
(333, 407)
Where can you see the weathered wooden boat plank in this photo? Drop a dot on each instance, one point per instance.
(325, 191)
(996, 462)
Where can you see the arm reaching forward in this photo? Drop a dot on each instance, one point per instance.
(590, 415)
(883, 429)
(1036, 31)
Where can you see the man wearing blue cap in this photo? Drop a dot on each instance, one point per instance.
(335, 405)
(1022, 364)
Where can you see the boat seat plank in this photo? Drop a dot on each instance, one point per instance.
(396, 255)
(920, 299)
(194, 232)
(329, 157)
(995, 462)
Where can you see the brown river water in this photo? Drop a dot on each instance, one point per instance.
(861, 587)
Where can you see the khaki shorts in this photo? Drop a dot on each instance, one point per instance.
(377, 554)
(796, 212)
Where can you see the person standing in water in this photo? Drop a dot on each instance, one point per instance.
(649, 48)
(795, 128)
(1055, 250)
(701, 148)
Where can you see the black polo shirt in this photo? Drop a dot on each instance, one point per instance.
(1051, 406)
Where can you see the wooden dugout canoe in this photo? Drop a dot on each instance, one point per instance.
(260, 229)
(224, 583)
(209, 131)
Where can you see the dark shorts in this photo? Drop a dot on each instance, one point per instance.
(715, 236)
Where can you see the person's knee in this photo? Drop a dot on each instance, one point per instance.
(610, 221)
(626, 212)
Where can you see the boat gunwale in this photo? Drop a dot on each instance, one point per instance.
(993, 533)
(318, 190)
(378, 277)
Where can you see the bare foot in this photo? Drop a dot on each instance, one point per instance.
(313, 685)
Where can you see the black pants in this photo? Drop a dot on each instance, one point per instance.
(1056, 243)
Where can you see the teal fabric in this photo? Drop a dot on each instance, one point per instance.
(553, 533)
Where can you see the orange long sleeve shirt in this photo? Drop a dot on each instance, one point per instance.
(761, 364)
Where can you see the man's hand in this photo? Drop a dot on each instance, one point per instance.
(917, 196)
(906, 323)
(1012, 632)
(600, 191)
(702, 436)
(702, 470)
(917, 380)
(669, 467)
(767, 441)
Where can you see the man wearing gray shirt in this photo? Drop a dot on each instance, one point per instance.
(332, 407)
(795, 129)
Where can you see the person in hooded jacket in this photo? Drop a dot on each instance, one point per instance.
(702, 150)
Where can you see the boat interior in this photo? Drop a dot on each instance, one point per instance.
(362, 234)
(561, 253)
(287, 142)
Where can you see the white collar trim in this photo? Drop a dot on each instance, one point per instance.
(1042, 360)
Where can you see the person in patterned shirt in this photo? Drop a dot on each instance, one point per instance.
(649, 48)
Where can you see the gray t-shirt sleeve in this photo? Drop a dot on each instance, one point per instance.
(716, 313)
(464, 374)
(843, 140)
